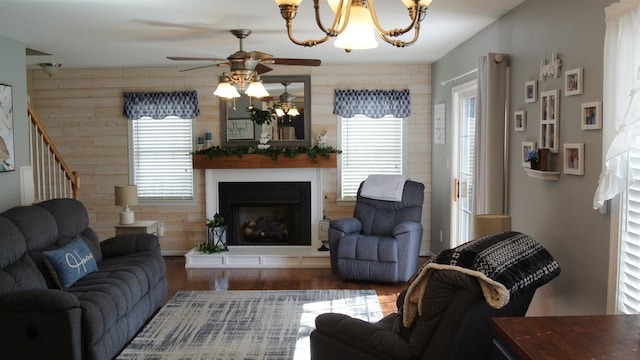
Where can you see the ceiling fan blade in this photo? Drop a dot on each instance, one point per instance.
(199, 67)
(261, 68)
(258, 55)
(302, 62)
(181, 58)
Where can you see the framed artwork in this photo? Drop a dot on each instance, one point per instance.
(240, 129)
(573, 82)
(531, 91)
(439, 124)
(520, 120)
(549, 118)
(573, 155)
(526, 147)
(7, 150)
(591, 117)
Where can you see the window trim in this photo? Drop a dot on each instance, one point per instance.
(404, 166)
(160, 202)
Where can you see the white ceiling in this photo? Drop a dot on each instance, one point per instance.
(141, 33)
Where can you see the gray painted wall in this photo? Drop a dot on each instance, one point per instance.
(556, 213)
(13, 72)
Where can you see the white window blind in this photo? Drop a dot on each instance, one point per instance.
(369, 146)
(161, 165)
(629, 278)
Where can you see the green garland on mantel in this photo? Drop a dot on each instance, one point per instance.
(273, 152)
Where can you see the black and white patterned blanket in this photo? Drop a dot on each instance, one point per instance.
(506, 264)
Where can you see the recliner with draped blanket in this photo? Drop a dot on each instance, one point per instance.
(381, 242)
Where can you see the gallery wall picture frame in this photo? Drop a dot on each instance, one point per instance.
(7, 149)
(549, 120)
(591, 116)
(526, 147)
(573, 158)
(531, 91)
(520, 120)
(573, 82)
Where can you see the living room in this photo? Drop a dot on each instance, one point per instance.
(82, 110)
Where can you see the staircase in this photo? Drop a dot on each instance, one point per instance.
(52, 177)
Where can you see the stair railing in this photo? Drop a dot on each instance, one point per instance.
(51, 175)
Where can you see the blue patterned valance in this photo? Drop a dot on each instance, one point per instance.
(159, 105)
(372, 103)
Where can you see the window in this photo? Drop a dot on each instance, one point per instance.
(629, 275)
(159, 158)
(369, 146)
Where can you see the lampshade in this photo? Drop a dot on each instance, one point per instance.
(409, 3)
(487, 224)
(126, 195)
(256, 90)
(226, 90)
(294, 111)
(360, 32)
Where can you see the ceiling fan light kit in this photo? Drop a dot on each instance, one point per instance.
(356, 23)
(246, 68)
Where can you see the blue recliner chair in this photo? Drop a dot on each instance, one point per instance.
(381, 242)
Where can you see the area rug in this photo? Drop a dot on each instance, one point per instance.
(267, 324)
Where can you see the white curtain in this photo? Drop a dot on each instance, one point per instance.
(490, 156)
(621, 97)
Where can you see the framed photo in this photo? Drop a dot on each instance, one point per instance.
(7, 150)
(526, 147)
(531, 91)
(549, 118)
(573, 155)
(591, 117)
(573, 82)
(520, 120)
(240, 129)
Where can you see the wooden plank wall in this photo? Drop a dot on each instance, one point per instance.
(82, 111)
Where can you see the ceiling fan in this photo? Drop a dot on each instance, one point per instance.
(242, 61)
(246, 68)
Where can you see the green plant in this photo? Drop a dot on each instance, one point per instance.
(260, 116)
(206, 248)
(218, 220)
(273, 152)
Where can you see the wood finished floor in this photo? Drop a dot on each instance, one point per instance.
(180, 278)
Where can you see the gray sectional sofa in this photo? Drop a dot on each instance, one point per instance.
(114, 287)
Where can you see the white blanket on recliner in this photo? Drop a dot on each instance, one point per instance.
(384, 187)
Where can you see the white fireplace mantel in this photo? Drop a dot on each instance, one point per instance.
(273, 256)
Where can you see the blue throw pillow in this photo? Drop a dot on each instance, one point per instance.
(71, 262)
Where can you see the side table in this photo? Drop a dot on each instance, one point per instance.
(138, 227)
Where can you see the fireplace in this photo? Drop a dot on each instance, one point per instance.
(266, 213)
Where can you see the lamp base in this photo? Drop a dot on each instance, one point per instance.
(126, 216)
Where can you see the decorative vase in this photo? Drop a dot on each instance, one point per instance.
(218, 236)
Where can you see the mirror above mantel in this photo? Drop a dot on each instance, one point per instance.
(288, 129)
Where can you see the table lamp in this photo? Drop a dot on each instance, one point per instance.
(487, 224)
(126, 195)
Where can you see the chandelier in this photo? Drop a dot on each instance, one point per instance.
(286, 105)
(356, 23)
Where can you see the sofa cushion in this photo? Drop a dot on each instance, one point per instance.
(71, 262)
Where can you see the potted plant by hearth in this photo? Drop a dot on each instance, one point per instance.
(216, 236)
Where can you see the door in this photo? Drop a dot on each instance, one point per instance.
(463, 149)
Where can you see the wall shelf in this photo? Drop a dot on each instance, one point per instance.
(544, 175)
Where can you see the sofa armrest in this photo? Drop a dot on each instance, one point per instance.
(37, 300)
(347, 225)
(38, 323)
(364, 337)
(407, 227)
(129, 244)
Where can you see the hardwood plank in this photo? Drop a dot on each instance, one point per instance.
(257, 161)
(180, 278)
